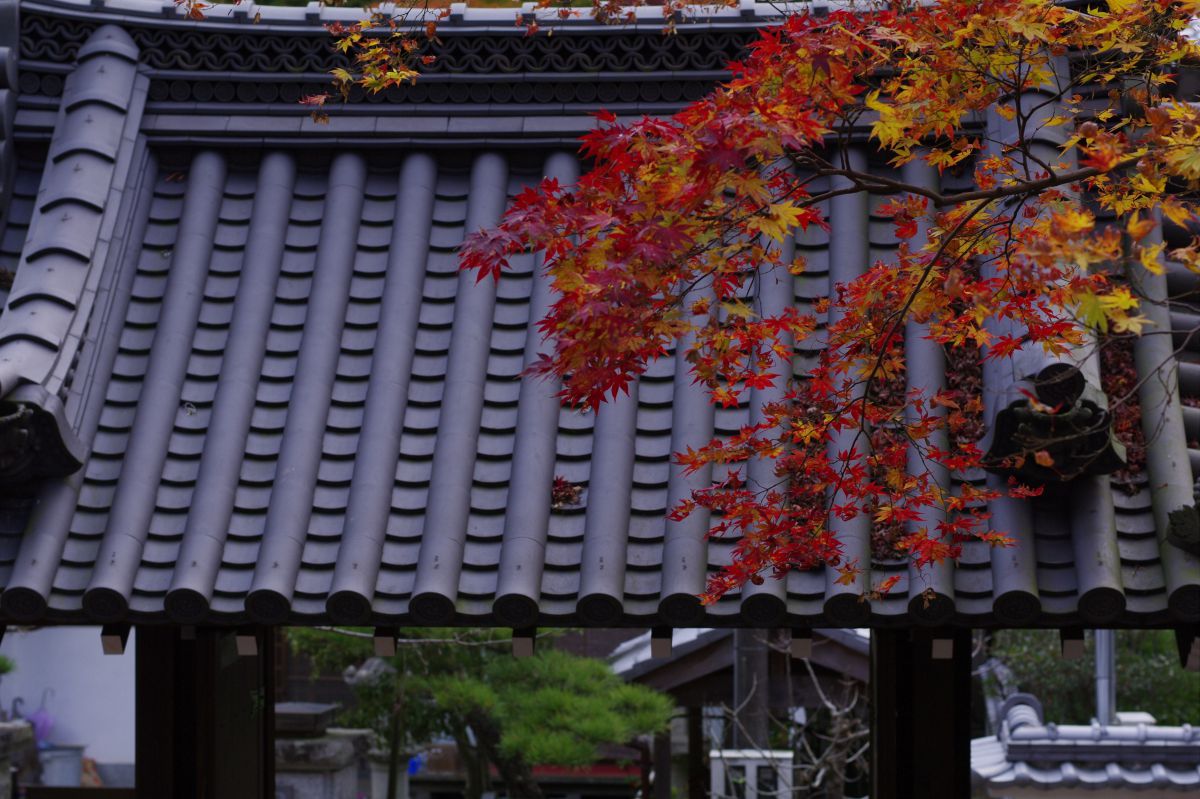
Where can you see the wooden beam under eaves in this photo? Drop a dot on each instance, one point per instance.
(385, 641)
(523, 642)
(1072, 643)
(660, 642)
(247, 643)
(802, 643)
(113, 638)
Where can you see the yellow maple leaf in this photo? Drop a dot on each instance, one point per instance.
(1123, 323)
(1119, 299)
(1176, 211)
(1149, 257)
(1185, 162)
(1139, 228)
(1072, 221)
(779, 220)
(889, 128)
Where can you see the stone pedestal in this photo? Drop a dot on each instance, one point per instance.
(16, 741)
(310, 763)
(315, 768)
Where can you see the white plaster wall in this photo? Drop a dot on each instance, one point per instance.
(93, 700)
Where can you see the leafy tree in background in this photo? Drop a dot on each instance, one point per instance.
(1148, 675)
(502, 712)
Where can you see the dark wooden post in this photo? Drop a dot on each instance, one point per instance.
(662, 765)
(697, 774)
(205, 716)
(920, 715)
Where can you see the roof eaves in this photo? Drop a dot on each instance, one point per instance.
(54, 292)
(462, 19)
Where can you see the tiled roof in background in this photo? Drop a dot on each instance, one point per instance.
(1030, 756)
(296, 409)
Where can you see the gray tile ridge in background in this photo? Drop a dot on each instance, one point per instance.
(52, 297)
(1033, 749)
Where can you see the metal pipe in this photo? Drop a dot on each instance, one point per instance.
(1106, 676)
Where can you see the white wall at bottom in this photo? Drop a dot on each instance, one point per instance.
(93, 693)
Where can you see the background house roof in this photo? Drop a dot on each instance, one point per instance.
(1032, 757)
(291, 407)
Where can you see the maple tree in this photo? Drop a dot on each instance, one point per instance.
(1069, 147)
(1076, 146)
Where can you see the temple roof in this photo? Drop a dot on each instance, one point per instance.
(249, 333)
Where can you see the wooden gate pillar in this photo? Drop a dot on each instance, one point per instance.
(205, 715)
(920, 714)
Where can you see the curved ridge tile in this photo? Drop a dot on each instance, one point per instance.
(29, 587)
(764, 604)
(107, 596)
(191, 589)
(435, 590)
(359, 558)
(606, 527)
(931, 587)
(291, 507)
(848, 258)
(527, 521)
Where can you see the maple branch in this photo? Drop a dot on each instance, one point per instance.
(900, 315)
(1000, 192)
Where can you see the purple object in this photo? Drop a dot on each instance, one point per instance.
(42, 723)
